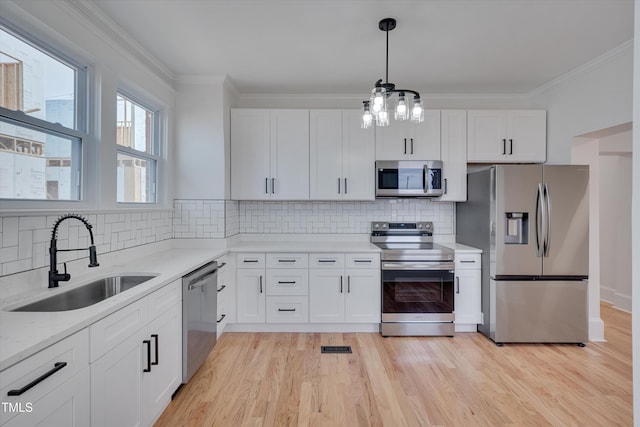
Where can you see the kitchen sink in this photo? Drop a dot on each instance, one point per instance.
(86, 295)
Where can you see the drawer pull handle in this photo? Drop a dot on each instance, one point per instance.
(221, 317)
(467, 261)
(286, 260)
(286, 283)
(362, 260)
(250, 260)
(286, 309)
(56, 367)
(326, 260)
(155, 337)
(148, 344)
(222, 265)
(221, 288)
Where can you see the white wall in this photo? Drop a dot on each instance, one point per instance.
(595, 96)
(203, 138)
(615, 219)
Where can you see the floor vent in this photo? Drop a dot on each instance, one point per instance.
(335, 349)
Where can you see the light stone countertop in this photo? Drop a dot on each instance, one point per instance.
(464, 249)
(22, 334)
(308, 246)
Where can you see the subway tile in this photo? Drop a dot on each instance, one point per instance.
(10, 231)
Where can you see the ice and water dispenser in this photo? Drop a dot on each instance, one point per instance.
(517, 232)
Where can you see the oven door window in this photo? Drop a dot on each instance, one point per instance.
(401, 179)
(411, 291)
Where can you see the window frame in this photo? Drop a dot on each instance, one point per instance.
(79, 132)
(154, 158)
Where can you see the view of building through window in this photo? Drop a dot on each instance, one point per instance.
(37, 161)
(136, 140)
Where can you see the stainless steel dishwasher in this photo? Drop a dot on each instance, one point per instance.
(199, 315)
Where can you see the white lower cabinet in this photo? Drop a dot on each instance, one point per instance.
(226, 301)
(132, 381)
(301, 288)
(251, 288)
(50, 388)
(344, 295)
(468, 311)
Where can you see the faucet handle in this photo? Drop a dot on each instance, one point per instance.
(64, 277)
(93, 257)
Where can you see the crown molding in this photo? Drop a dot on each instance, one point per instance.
(584, 68)
(200, 79)
(116, 36)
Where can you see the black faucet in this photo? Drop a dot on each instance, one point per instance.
(54, 276)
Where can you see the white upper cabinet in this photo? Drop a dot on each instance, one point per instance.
(454, 155)
(404, 140)
(507, 136)
(269, 154)
(342, 156)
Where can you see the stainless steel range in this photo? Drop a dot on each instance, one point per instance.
(417, 280)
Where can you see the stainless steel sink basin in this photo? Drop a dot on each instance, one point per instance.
(86, 295)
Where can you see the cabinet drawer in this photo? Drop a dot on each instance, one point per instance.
(326, 260)
(468, 261)
(163, 299)
(285, 281)
(67, 405)
(72, 351)
(288, 309)
(362, 260)
(251, 260)
(112, 330)
(287, 260)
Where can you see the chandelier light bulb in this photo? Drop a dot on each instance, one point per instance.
(402, 112)
(417, 113)
(367, 117)
(382, 119)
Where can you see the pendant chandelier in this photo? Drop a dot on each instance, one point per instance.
(375, 109)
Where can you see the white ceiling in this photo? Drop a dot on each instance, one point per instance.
(335, 46)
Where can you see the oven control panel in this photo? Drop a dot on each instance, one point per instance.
(414, 228)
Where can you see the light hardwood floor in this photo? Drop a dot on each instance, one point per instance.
(282, 379)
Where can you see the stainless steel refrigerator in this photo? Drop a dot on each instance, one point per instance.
(532, 224)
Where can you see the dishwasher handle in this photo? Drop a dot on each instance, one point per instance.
(202, 281)
(201, 276)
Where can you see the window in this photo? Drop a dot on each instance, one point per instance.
(137, 141)
(42, 121)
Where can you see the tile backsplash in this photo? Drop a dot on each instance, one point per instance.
(24, 240)
(341, 217)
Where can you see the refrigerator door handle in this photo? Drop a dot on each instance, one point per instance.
(547, 239)
(539, 221)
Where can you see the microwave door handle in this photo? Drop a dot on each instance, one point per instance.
(425, 179)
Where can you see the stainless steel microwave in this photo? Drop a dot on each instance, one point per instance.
(409, 178)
